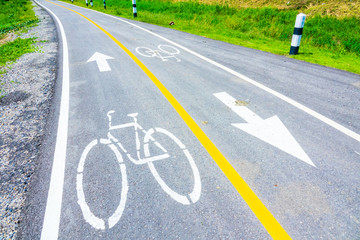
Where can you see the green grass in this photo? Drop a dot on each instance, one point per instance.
(327, 40)
(13, 50)
(15, 16)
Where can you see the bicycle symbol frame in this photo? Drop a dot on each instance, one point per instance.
(164, 52)
(116, 147)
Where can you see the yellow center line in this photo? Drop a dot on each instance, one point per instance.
(273, 227)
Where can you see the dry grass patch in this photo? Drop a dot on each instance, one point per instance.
(7, 38)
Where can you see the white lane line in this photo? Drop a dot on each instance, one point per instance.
(51, 222)
(294, 103)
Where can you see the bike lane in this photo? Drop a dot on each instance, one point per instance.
(308, 201)
(149, 211)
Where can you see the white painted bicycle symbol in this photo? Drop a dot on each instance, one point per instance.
(149, 144)
(164, 52)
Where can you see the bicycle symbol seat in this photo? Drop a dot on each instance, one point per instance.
(147, 157)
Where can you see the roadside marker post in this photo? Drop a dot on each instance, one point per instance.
(91, 3)
(104, 4)
(296, 38)
(134, 8)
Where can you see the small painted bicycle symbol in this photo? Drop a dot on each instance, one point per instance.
(149, 146)
(164, 52)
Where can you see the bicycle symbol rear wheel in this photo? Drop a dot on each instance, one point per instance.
(146, 52)
(93, 220)
(184, 199)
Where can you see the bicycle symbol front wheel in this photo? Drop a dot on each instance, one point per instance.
(196, 191)
(93, 220)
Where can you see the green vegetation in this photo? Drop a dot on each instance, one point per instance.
(15, 16)
(329, 38)
(13, 50)
(337, 8)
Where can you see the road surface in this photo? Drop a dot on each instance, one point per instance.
(160, 134)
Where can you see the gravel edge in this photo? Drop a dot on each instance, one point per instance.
(29, 87)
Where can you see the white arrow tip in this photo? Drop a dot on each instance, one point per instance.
(99, 56)
(274, 132)
(101, 61)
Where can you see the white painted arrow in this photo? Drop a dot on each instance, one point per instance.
(101, 61)
(270, 130)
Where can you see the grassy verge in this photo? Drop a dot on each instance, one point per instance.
(15, 17)
(327, 39)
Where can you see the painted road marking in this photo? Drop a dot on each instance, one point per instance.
(259, 209)
(89, 217)
(51, 223)
(115, 145)
(290, 101)
(101, 61)
(270, 130)
(164, 52)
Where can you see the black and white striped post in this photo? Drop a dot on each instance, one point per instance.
(296, 38)
(134, 8)
(104, 4)
(91, 3)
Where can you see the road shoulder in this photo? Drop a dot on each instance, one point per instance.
(29, 87)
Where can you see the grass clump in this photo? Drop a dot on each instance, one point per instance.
(329, 38)
(13, 50)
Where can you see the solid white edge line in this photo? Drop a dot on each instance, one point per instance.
(50, 229)
(294, 103)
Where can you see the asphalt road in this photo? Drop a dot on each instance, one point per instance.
(209, 112)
